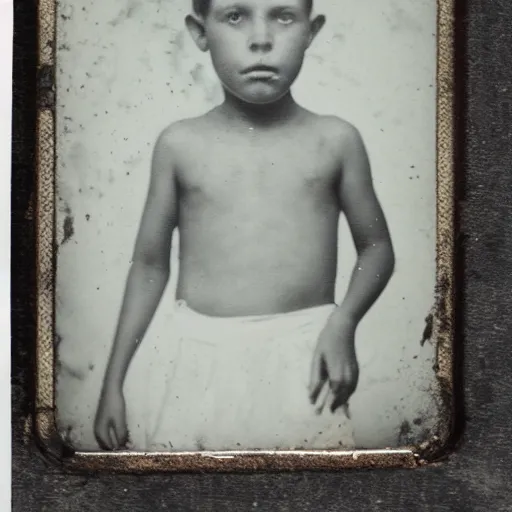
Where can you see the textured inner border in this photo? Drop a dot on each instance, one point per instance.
(45, 426)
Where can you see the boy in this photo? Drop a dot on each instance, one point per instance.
(255, 187)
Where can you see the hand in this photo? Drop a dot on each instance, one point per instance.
(110, 426)
(335, 363)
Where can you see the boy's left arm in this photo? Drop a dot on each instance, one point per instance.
(335, 358)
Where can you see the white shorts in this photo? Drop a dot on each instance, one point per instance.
(238, 384)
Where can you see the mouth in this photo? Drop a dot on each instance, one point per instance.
(260, 71)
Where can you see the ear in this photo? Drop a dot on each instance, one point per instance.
(315, 27)
(195, 26)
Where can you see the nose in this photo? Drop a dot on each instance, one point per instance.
(260, 39)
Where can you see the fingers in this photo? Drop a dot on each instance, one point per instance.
(117, 436)
(318, 376)
(122, 435)
(341, 393)
(343, 382)
(111, 436)
(343, 389)
(322, 399)
(102, 435)
(114, 442)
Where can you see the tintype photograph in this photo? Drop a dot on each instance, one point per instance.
(247, 205)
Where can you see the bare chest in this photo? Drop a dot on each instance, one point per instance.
(268, 171)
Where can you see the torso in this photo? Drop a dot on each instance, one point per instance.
(258, 218)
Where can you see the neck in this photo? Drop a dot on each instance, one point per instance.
(254, 115)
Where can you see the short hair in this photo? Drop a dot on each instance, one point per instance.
(201, 7)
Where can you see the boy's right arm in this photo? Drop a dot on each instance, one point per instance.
(147, 279)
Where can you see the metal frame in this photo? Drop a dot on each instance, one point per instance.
(442, 318)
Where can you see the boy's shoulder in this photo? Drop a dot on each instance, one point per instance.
(335, 128)
(180, 134)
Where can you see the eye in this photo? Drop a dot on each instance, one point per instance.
(234, 17)
(286, 18)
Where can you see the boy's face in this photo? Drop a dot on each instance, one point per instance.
(257, 46)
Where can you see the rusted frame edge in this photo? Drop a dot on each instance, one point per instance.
(441, 318)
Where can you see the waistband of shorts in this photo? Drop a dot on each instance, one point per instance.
(182, 308)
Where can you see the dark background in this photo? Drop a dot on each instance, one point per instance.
(476, 476)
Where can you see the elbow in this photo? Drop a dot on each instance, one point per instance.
(383, 257)
(388, 256)
(392, 262)
(391, 256)
(153, 267)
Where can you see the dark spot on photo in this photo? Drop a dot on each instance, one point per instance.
(418, 421)
(66, 434)
(87, 217)
(69, 229)
(429, 329)
(405, 428)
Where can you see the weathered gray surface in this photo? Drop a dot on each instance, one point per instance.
(475, 478)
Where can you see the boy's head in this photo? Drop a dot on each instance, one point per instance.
(257, 46)
(201, 7)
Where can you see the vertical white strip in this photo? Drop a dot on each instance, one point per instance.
(6, 32)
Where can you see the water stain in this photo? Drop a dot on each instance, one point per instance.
(126, 14)
(197, 73)
(160, 26)
(401, 20)
(124, 105)
(66, 369)
(178, 40)
(78, 156)
(133, 161)
(146, 62)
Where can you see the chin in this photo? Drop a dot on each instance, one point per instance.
(261, 99)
